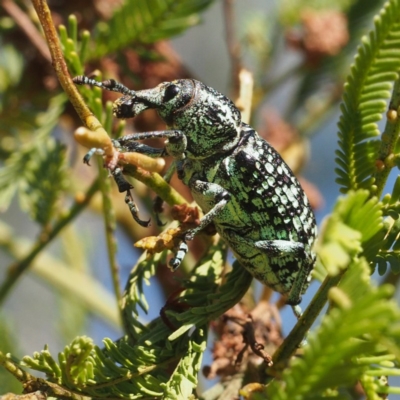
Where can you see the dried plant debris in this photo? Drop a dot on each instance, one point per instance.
(245, 339)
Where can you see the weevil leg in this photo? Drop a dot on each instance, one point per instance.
(175, 146)
(213, 194)
(125, 186)
(297, 311)
(122, 183)
(134, 210)
(91, 153)
(176, 261)
(302, 279)
(133, 146)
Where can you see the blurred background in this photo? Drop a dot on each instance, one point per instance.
(299, 53)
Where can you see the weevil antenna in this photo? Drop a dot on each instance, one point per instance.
(109, 84)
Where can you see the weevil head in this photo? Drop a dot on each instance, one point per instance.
(210, 121)
(167, 97)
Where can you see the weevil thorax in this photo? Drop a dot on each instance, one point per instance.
(210, 121)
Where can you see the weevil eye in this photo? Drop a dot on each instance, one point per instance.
(170, 92)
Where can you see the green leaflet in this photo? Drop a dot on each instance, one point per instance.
(184, 378)
(145, 21)
(330, 360)
(389, 250)
(364, 100)
(355, 221)
(45, 363)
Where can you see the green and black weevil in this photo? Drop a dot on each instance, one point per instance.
(237, 178)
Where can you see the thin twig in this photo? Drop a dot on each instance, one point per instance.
(298, 333)
(232, 44)
(110, 226)
(26, 25)
(157, 184)
(61, 70)
(389, 140)
(38, 395)
(245, 99)
(14, 369)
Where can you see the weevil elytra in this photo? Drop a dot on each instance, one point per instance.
(239, 181)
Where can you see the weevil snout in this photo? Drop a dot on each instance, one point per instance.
(168, 98)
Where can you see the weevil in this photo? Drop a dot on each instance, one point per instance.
(237, 178)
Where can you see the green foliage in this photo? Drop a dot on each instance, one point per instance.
(37, 170)
(181, 383)
(354, 221)
(389, 247)
(365, 99)
(145, 21)
(385, 245)
(134, 364)
(74, 50)
(342, 352)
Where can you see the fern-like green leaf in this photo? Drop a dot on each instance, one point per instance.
(146, 21)
(359, 326)
(364, 100)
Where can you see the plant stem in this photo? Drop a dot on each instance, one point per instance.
(298, 333)
(61, 70)
(27, 26)
(157, 184)
(232, 45)
(14, 369)
(15, 270)
(389, 141)
(110, 226)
